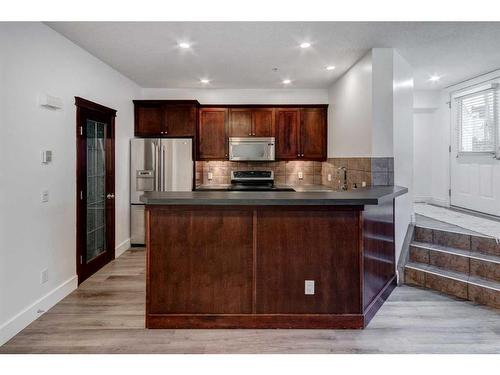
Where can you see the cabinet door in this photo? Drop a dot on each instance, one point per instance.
(318, 245)
(148, 120)
(240, 122)
(313, 133)
(180, 120)
(287, 134)
(201, 261)
(263, 123)
(212, 140)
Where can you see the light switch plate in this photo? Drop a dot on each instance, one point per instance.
(46, 156)
(301, 175)
(210, 175)
(44, 276)
(309, 287)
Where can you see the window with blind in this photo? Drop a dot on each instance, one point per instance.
(478, 121)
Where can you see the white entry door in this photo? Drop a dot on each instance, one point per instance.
(475, 150)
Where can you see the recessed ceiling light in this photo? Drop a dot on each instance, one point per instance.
(434, 78)
(204, 80)
(305, 45)
(184, 45)
(330, 67)
(286, 81)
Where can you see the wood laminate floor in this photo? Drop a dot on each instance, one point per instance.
(106, 315)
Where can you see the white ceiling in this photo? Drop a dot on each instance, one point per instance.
(243, 54)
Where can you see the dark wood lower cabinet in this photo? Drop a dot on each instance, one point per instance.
(246, 267)
(316, 245)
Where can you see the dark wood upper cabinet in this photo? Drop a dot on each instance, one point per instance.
(180, 119)
(287, 134)
(248, 122)
(212, 139)
(263, 122)
(240, 122)
(313, 140)
(148, 120)
(165, 118)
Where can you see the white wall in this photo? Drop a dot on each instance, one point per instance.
(34, 236)
(350, 112)
(382, 99)
(425, 128)
(403, 145)
(241, 96)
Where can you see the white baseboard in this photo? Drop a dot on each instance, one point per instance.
(421, 199)
(122, 247)
(20, 321)
(440, 202)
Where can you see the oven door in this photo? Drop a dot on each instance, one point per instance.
(251, 149)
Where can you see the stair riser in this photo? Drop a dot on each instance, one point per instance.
(456, 288)
(442, 284)
(469, 266)
(446, 261)
(485, 246)
(484, 296)
(458, 241)
(485, 269)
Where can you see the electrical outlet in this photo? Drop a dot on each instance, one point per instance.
(45, 196)
(210, 175)
(329, 177)
(363, 184)
(44, 276)
(301, 175)
(309, 287)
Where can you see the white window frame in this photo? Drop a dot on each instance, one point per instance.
(494, 86)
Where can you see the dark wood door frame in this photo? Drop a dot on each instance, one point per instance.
(86, 109)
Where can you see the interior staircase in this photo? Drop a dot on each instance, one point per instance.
(459, 264)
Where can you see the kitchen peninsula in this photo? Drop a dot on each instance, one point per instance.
(220, 259)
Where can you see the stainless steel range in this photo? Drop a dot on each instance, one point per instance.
(255, 181)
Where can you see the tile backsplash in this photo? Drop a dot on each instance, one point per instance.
(372, 171)
(285, 172)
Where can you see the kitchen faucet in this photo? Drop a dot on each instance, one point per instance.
(344, 185)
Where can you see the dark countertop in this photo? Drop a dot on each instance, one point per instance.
(369, 195)
(298, 188)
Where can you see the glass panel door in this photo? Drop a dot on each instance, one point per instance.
(96, 189)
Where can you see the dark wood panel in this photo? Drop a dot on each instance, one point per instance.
(378, 249)
(212, 140)
(287, 134)
(200, 260)
(284, 321)
(180, 120)
(313, 133)
(313, 244)
(379, 300)
(240, 122)
(263, 122)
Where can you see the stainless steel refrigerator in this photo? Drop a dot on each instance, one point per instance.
(156, 165)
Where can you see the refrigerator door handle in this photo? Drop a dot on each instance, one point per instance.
(154, 150)
(162, 168)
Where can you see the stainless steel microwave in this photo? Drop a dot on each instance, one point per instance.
(251, 148)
